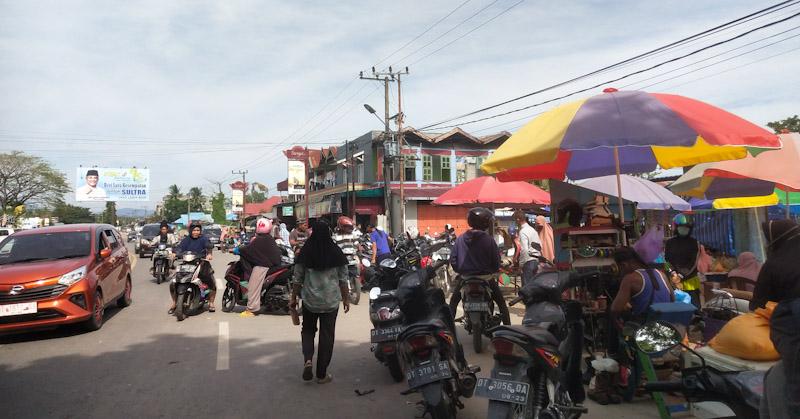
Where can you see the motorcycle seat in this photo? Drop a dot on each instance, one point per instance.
(426, 326)
(535, 333)
(387, 295)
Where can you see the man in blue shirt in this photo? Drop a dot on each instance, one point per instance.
(380, 244)
(198, 244)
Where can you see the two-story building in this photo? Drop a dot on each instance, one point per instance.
(349, 178)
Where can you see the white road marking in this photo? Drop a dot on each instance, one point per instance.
(223, 349)
(133, 261)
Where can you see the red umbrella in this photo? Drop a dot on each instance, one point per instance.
(488, 190)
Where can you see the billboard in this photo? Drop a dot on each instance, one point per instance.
(101, 184)
(296, 177)
(237, 200)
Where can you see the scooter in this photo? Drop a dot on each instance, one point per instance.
(537, 364)
(274, 293)
(161, 263)
(387, 323)
(479, 310)
(192, 293)
(428, 346)
(740, 391)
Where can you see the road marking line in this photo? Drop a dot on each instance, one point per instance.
(133, 261)
(223, 349)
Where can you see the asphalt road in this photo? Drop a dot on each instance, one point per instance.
(145, 364)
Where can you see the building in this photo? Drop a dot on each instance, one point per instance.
(349, 178)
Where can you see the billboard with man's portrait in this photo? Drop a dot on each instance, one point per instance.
(101, 184)
(296, 177)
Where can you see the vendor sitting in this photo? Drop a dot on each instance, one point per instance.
(641, 286)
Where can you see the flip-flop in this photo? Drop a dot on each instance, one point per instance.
(211, 309)
(171, 311)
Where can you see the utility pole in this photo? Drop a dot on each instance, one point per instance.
(244, 198)
(389, 144)
(401, 142)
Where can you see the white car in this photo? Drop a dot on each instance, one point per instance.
(5, 231)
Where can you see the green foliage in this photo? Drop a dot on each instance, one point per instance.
(256, 197)
(196, 199)
(174, 206)
(71, 214)
(28, 179)
(791, 123)
(109, 216)
(218, 207)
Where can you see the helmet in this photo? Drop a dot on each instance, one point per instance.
(345, 224)
(681, 220)
(480, 218)
(263, 226)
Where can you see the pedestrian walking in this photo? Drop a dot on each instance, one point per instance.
(320, 279)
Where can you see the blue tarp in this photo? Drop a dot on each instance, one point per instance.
(196, 217)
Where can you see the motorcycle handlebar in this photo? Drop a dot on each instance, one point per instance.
(664, 386)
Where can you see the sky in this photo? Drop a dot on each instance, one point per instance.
(195, 89)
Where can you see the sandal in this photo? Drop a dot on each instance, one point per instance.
(211, 309)
(171, 310)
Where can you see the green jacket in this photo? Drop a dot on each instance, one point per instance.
(321, 289)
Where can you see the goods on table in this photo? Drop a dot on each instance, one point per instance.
(747, 336)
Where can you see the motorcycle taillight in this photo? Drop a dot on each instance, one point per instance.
(506, 350)
(421, 345)
(474, 289)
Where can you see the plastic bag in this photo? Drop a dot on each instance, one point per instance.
(747, 336)
(682, 297)
(651, 244)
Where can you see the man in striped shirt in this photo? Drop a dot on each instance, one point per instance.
(347, 241)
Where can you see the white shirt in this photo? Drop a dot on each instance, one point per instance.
(88, 193)
(527, 236)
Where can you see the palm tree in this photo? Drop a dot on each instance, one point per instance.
(196, 198)
(174, 192)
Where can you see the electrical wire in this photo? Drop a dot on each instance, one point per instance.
(605, 83)
(769, 9)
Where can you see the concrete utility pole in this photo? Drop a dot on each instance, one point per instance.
(244, 198)
(389, 143)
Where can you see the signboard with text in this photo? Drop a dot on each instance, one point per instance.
(102, 184)
(296, 176)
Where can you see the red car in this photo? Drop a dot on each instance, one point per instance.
(58, 275)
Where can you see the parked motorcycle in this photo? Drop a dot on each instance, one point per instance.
(537, 364)
(192, 293)
(740, 391)
(479, 309)
(274, 293)
(161, 262)
(429, 348)
(387, 323)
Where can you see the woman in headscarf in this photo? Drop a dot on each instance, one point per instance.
(779, 278)
(744, 276)
(546, 236)
(284, 233)
(320, 278)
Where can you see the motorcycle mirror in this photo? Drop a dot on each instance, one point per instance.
(657, 337)
(374, 293)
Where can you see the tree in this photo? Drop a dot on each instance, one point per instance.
(71, 214)
(256, 197)
(218, 207)
(25, 178)
(791, 123)
(110, 214)
(196, 199)
(174, 206)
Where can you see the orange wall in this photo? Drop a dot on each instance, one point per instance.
(436, 217)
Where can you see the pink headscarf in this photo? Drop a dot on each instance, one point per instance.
(546, 236)
(748, 268)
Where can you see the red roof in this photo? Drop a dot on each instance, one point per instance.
(262, 207)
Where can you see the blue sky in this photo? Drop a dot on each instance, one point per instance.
(140, 83)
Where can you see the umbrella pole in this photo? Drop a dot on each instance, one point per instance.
(788, 206)
(619, 195)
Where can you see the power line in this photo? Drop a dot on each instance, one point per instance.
(615, 65)
(422, 33)
(607, 82)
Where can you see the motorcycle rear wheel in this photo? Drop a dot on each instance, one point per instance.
(477, 337)
(395, 369)
(444, 410)
(228, 299)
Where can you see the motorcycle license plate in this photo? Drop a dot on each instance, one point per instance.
(502, 390)
(187, 268)
(429, 373)
(385, 335)
(476, 306)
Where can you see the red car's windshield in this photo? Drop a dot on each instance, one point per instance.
(33, 247)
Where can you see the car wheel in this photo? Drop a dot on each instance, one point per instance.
(125, 300)
(95, 322)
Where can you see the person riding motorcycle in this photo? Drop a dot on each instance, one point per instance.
(199, 244)
(476, 254)
(164, 236)
(346, 240)
(260, 254)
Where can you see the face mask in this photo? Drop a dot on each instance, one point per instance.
(683, 231)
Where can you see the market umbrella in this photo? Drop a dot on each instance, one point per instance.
(753, 176)
(625, 132)
(488, 190)
(646, 194)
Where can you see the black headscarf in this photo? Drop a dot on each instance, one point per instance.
(320, 252)
(779, 278)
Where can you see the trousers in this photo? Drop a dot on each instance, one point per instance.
(327, 334)
(256, 284)
(497, 296)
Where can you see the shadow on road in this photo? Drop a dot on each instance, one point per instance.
(66, 330)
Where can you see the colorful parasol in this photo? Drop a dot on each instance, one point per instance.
(646, 194)
(488, 190)
(625, 132)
